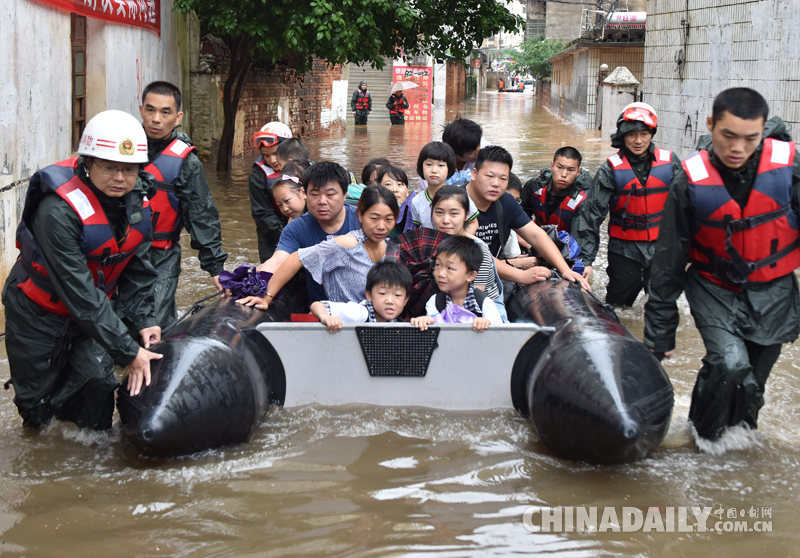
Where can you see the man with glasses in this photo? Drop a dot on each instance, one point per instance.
(632, 184)
(79, 298)
(183, 199)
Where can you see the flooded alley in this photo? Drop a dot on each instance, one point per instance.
(363, 481)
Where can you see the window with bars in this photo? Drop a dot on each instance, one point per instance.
(78, 41)
(536, 28)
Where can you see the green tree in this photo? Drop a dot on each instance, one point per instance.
(533, 58)
(339, 32)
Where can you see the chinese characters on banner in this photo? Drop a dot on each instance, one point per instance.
(419, 98)
(141, 13)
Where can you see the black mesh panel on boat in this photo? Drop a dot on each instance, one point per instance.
(397, 351)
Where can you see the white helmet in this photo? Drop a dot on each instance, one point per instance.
(271, 134)
(114, 135)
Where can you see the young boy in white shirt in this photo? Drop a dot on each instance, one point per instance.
(388, 288)
(458, 260)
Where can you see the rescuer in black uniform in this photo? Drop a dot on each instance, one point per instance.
(361, 103)
(83, 280)
(732, 213)
(632, 184)
(183, 199)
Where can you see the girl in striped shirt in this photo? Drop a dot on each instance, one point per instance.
(450, 213)
(341, 264)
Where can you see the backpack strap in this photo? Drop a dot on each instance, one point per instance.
(441, 301)
(480, 296)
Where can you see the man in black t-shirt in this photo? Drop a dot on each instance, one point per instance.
(488, 191)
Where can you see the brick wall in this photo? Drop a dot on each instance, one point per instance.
(543, 92)
(456, 83)
(741, 43)
(303, 101)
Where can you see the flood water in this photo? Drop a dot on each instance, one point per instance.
(365, 481)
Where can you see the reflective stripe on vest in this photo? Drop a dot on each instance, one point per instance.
(636, 210)
(398, 106)
(734, 247)
(268, 172)
(105, 257)
(166, 208)
(362, 103)
(562, 216)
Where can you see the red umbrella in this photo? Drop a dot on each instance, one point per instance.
(416, 249)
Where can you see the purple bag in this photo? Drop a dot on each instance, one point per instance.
(245, 281)
(454, 314)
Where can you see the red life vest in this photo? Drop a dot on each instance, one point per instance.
(362, 102)
(166, 207)
(105, 257)
(271, 175)
(734, 247)
(562, 216)
(399, 105)
(636, 209)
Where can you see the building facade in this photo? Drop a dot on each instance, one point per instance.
(696, 50)
(59, 70)
(576, 77)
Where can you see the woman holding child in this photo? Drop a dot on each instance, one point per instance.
(341, 264)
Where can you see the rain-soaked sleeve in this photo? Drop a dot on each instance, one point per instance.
(586, 225)
(200, 216)
(136, 303)
(668, 272)
(57, 230)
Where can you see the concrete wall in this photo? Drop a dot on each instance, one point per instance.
(36, 101)
(730, 43)
(563, 21)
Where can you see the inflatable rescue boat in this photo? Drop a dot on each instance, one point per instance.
(593, 392)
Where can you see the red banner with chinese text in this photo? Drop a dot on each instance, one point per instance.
(141, 13)
(419, 98)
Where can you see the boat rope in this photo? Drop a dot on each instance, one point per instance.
(191, 311)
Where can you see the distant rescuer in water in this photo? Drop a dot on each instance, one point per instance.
(183, 199)
(732, 213)
(632, 184)
(83, 280)
(361, 103)
(397, 105)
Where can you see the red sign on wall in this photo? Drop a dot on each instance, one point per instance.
(419, 98)
(141, 13)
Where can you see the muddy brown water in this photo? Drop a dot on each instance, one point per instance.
(364, 481)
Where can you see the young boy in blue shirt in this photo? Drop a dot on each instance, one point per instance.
(388, 287)
(458, 259)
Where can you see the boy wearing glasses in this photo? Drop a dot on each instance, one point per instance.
(183, 199)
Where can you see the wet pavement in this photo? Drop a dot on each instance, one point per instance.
(361, 481)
